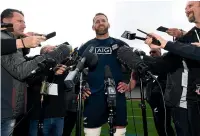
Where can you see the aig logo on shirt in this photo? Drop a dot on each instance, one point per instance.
(103, 50)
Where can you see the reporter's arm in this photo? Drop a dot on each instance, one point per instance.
(133, 81)
(18, 66)
(181, 49)
(163, 64)
(185, 50)
(8, 46)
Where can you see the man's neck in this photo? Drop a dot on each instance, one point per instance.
(198, 25)
(105, 36)
(17, 35)
(14, 34)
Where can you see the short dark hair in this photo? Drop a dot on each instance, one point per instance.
(9, 13)
(97, 14)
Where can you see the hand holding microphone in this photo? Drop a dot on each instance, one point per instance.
(31, 41)
(86, 91)
(149, 40)
(132, 36)
(175, 32)
(60, 69)
(3, 29)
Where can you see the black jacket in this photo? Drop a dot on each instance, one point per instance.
(54, 106)
(153, 87)
(184, 50)
(8, 46)
(171, 64)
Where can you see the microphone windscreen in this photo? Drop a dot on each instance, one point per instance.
(128, 57)
(60, 53)
(91, 57)
(107, 73)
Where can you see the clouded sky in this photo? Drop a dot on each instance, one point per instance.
(72, 19)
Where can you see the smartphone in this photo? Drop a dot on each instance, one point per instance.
(162, 29)
(50, 35)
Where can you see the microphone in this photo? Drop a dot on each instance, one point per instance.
(54, 57)
(89, 59)
(59, 53)
(44, 87)
(133, 61)
(110, 87)
(6, 25)
(44, 65)
(132, 36)
(111, 98)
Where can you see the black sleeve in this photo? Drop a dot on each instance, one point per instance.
(163, 64)
(84, 46)
(8, 46)
(185, 50)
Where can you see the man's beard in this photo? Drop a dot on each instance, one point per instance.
(191, 18)
(102, 31)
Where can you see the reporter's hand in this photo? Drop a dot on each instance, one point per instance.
(60, 69)
(197, 44)
(33, 41)
(149, 41)
(198, 92)
(3, 29)
(86, 93)
(122, 87)
(175, 32)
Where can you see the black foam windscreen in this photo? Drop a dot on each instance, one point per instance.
(60, 53)
(128, 57)
(91, 57)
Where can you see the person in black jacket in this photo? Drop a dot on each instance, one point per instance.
(53, 109)
(184, 72)
(155, 100)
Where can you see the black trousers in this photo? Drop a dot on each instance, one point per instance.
(187, 121)
(70, 121)
(157, 106)
(194, 117)
(181, 121)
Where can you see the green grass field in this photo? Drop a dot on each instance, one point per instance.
(138, 121)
